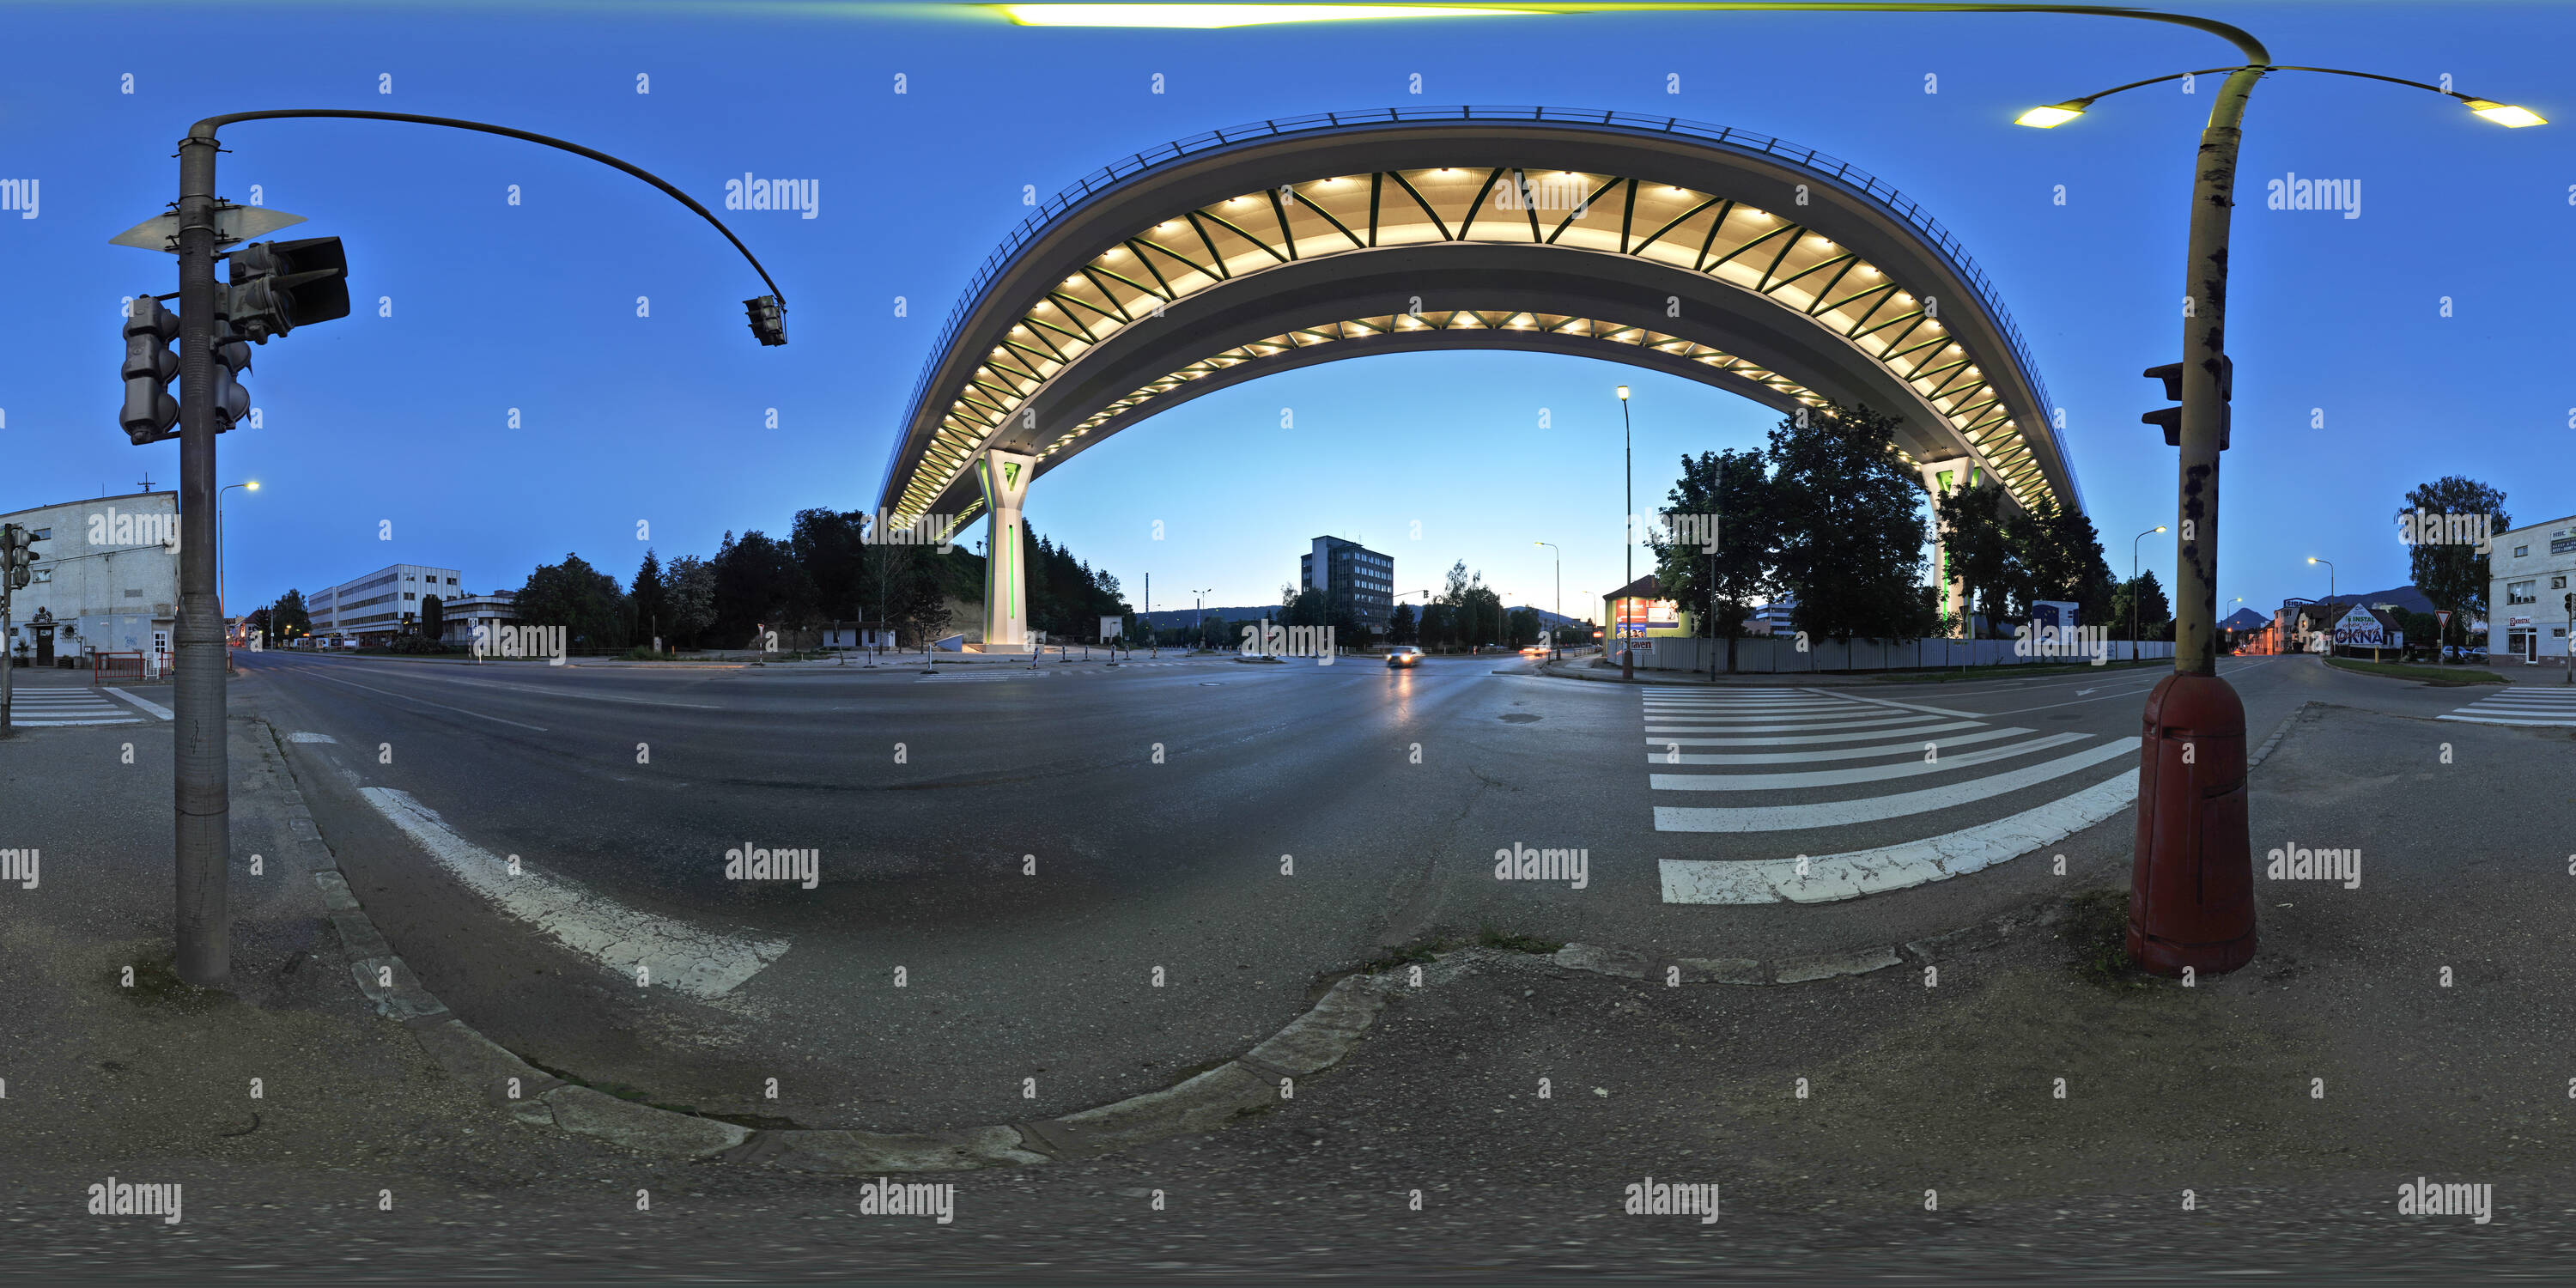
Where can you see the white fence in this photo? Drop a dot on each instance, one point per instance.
(1775, 655)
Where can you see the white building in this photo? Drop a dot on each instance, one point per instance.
(467, 611)
(373, 605)
(105, 579)
(2529, 575)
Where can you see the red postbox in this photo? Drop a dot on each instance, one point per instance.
(2191, 890)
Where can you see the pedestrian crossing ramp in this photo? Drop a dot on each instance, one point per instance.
(2522, 704)
(1728, 761)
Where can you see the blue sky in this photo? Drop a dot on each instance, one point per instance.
(404, 418)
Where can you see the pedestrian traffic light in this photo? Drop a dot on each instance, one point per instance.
(275, 287)
(149, 367)
(2171, 417)
(768, 319)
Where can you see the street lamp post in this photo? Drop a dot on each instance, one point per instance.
(2133, 588)
(1198, 606)
(1555, 647)
(221, 602)
(2330, 598)
(1627, 539)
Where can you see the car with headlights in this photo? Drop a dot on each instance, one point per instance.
(1404, 655)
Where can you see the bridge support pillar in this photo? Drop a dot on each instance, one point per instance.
(1940, 477)
(1005, 479)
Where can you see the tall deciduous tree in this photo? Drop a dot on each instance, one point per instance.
(652, 610)
(1980, 554)
(1851, 544)
(583, 600)
(688, 598)
(1727, 495)
(2453, 576)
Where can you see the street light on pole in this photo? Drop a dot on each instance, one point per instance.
(2133, 588)
(220, 599)
(1627, 539)
(1555, 647)
(2330, 598)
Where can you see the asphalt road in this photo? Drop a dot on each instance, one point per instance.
(1157, 807)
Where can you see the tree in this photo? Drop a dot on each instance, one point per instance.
(292, 621)
(2060, 557)
(1730, 494)
(2454, 576)
(920, 603)
(832, 548)
(583, 600)
(758, 587)
(433, 617)
(1402, 627)
(256, 620)
(688, 598)
(1522, 628)
(1851, 546)
(2152, 613)
(1978, 553)
(652, 607)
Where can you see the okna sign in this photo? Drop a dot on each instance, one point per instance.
(2362, 628)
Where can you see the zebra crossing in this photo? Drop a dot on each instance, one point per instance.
(1731, 745)
(31, 708)
(2521, 704)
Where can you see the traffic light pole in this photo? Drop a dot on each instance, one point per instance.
(2191, 905)
(201, 777)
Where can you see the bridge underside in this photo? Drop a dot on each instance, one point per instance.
(1644, 247)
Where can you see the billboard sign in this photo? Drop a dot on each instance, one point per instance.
(2361, 628)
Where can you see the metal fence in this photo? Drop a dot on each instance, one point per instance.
(105, 667)
(1878, 191)
(1765, 655)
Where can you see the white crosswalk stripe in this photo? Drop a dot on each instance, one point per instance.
(1827, 740)
(2522, 705)
(44, 708)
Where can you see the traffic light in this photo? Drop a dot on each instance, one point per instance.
(232, 402)
(275, 287)
(2171, 417)
(150, 411)
(16, 561)
(768, 319)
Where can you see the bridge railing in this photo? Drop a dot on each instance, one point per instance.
(1844, 172)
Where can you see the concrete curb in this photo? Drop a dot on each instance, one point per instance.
(2278, 733)
(1259, 1078)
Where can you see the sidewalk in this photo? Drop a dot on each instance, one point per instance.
(1592, 669)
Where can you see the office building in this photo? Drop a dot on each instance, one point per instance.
(2529, 580)
(370, 609)
(1354, 579)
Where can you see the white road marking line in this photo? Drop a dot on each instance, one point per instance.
(1838, 753)
(680, 956)
(1668, 727)
(1857, 774)
(49, 723)
(1814, 737)
(1910, 706)
(1786, 818)
(307, 736)
(145, 703)
(1895, 867)
(330, 679)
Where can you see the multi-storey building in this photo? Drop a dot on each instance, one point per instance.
(370, 609)
(105, 578)
(1354, 579)
(2530, 575)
